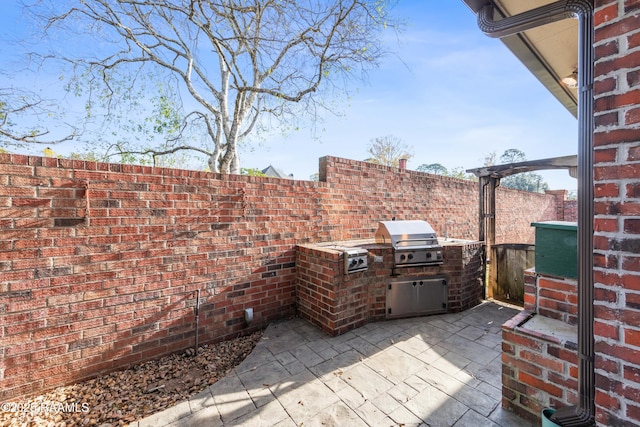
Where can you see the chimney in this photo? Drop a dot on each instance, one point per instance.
(402, 164)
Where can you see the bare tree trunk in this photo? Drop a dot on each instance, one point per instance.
(213, 161)
(235, 162)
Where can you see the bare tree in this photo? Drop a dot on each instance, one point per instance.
(236, 59)
(490, 158)
(18, 104)
(388, 150)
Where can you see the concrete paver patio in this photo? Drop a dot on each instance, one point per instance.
(442, 370)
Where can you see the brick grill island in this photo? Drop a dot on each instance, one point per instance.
(338, 302)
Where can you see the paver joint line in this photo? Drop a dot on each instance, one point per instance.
(435, 370)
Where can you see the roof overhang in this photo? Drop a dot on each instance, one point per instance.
(550, 52)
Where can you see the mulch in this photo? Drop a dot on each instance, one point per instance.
(122, 397)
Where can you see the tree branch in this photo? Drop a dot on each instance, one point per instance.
(237, 60)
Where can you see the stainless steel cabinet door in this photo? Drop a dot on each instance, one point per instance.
(417, 296)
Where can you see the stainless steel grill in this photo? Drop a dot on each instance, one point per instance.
(414, 242)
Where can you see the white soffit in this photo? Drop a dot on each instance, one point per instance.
(550, 52)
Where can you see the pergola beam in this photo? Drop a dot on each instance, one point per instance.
(501, 171)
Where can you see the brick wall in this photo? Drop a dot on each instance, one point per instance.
(100, 263)
(469, 290)
(570, 211)
(539, 368)
(539, 360)
(513, 208)
(567, 210)
(617, 212)
(552, 297)
(370, 189)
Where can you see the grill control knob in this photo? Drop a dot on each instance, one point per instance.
(428, 254)
(402, 257)
(353, 263)
(410, 256)
(360, 261)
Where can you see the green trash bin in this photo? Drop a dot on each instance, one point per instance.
(557, 248)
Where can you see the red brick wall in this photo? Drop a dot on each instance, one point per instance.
(570, 211)
(514, 209)
(539, 370)
(370, 193)
(375, 192)
(617, 212)
(553, 297)
(567, 210)
(560, 196)
(100, 263)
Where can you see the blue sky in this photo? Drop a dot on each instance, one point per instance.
(449, 92)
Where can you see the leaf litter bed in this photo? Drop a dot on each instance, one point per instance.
(122, 397)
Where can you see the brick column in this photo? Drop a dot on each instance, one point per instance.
(617, 212)
(560, 196)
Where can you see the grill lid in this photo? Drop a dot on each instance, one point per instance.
(406, 234)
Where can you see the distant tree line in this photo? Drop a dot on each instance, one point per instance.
(388, 151)
(527, 181)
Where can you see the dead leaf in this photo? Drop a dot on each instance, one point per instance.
(123, 397)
